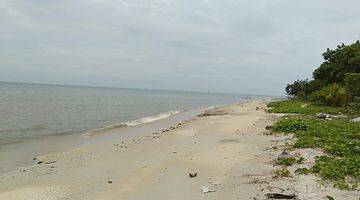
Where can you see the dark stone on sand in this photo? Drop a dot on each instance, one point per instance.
(192, 175)
(284, 155)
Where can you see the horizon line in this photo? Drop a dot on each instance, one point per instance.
(115, 87)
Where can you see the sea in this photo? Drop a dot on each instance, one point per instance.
(29, 111)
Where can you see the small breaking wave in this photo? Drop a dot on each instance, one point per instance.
(151, 118)
(132, 123)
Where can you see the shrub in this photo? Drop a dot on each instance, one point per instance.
(333, 95)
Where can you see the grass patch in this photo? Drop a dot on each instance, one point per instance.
(289, 161)
(282, 172)
(302, 171)
(301, 107)
(338, 138)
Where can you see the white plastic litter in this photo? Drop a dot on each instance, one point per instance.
(206, 189)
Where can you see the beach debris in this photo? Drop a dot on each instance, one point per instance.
(324, 116)
(50, 162)
(257, 108)
(212, 113)
(267, 133)
(38, 161)
(110, 181)
(280, 196)
(22, 169)
(268, 127)
(206, 189)
(193, 175)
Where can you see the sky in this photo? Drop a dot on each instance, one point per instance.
(231, 46)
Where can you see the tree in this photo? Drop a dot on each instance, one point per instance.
(297, 89)
(352, 83)
(336, 81)
(338, 62)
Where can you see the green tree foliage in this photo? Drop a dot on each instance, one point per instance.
(302, 88)
(338, 62)
(297, 88)
(336, 80)
(352, 83)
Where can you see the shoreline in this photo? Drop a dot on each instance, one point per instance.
(25, 151)
(227, 148)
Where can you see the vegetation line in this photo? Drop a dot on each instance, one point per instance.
(334, 90)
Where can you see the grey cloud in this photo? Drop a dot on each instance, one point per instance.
(242, 46)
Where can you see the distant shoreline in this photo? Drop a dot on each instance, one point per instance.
(134, 88)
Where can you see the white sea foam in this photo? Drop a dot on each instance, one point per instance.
(132, 123)
(151, 118)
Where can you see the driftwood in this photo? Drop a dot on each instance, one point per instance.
(192, 175)
(280, 196)
(212, 113)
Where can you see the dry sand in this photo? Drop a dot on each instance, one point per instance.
(227, 149)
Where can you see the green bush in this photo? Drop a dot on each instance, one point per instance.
(333, 95)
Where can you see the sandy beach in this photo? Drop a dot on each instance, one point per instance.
(228, 150)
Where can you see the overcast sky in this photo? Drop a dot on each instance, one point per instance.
(237, 46)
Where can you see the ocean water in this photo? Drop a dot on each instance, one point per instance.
(35, 111)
